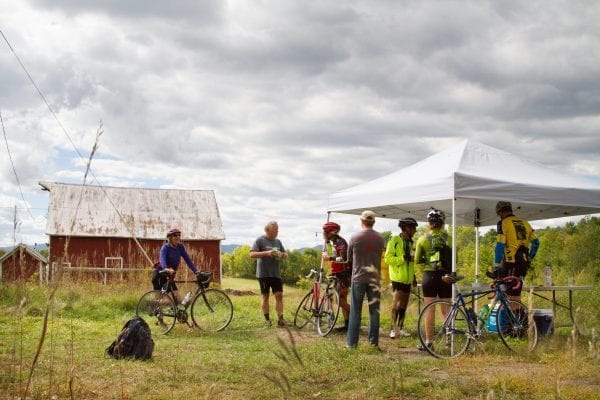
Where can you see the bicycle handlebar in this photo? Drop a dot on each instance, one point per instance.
(311, 273)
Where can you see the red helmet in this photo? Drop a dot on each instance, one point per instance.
(331, 227)
(173, 231)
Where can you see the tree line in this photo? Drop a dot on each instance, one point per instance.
(572, 250)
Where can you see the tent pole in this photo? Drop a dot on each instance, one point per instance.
(476, 223)
(453, 243)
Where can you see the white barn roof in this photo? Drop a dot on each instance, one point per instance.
(148, 213)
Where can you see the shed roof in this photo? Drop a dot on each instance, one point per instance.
(91, 211)
(32, 252)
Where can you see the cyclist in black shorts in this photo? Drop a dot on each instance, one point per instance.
(269, 252)
(428, 257)
(399, 256)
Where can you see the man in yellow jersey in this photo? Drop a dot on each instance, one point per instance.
(516, 246)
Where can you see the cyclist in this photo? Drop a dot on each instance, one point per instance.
(365, 249)
(431, 255)
(269, 254)
(337, 252)
(399, 256)
(516, 246)
(171, 253)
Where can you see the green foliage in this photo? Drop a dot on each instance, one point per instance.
(248, 360)
(239, 264)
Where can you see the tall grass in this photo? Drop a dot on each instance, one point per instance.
(248, 360)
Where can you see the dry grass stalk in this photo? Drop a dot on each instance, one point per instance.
(56, 282)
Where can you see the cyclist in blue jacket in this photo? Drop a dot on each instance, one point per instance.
(171, 253)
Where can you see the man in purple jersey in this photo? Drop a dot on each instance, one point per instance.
(365, 249)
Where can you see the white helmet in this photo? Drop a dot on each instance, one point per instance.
(436, 216)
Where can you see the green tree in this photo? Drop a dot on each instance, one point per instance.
(239, 264)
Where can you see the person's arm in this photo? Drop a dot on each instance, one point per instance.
(164, 266)
(281, 252)
(500, 246)
(420, 253)
(535, 245)
(257, 252)
(391, 257)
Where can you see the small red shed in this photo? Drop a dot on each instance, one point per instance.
(21, 264)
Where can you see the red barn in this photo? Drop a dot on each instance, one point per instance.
(101, 230)
(21, 264)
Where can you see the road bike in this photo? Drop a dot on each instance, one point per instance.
(210, 309)
(321, 305)
(456, 326)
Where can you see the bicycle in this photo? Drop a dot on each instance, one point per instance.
(211, 309)
(320, 306)
(453, 334)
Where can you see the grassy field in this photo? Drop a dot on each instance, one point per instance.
(249, 360)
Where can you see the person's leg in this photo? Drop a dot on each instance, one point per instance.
(264, 292)
(374, 295)
(402, 305)
(429, 319)
(277, 287)
(265, 305)
(343, 292)
(279, 307)
(357, 294)
(394, 314)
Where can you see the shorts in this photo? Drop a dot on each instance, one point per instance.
(433, 286)
(343, 280)
(159, 280)
(518, 270)
(401, 287)
(276, 285)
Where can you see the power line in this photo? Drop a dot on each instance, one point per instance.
(88, 162)
(13, 167)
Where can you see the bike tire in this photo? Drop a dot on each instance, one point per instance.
(158, 309)
(304, 313)
(451, 335)
(329, 309)
(212, 310)
(517, 329)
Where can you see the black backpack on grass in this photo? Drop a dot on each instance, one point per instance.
(134, 341)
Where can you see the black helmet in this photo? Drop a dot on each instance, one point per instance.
(503, 206)
(408, 221)
(436, 216)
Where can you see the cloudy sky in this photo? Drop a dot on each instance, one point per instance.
(276, 104)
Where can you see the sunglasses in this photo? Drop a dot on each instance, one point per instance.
(176, 235)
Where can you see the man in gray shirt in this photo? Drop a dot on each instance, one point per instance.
(269, 252)
(365, 250)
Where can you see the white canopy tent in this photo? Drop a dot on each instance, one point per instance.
(466, 181)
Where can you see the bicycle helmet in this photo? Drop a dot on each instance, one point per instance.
(331, 227)
(503, 206)
(408, 221)
(436, 216)
(173, 231)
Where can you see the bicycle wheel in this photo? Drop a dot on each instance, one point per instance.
(517, 332)
(159, 309)
(304, 312)
(212, 310)
(451, 335)
(329, 310)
